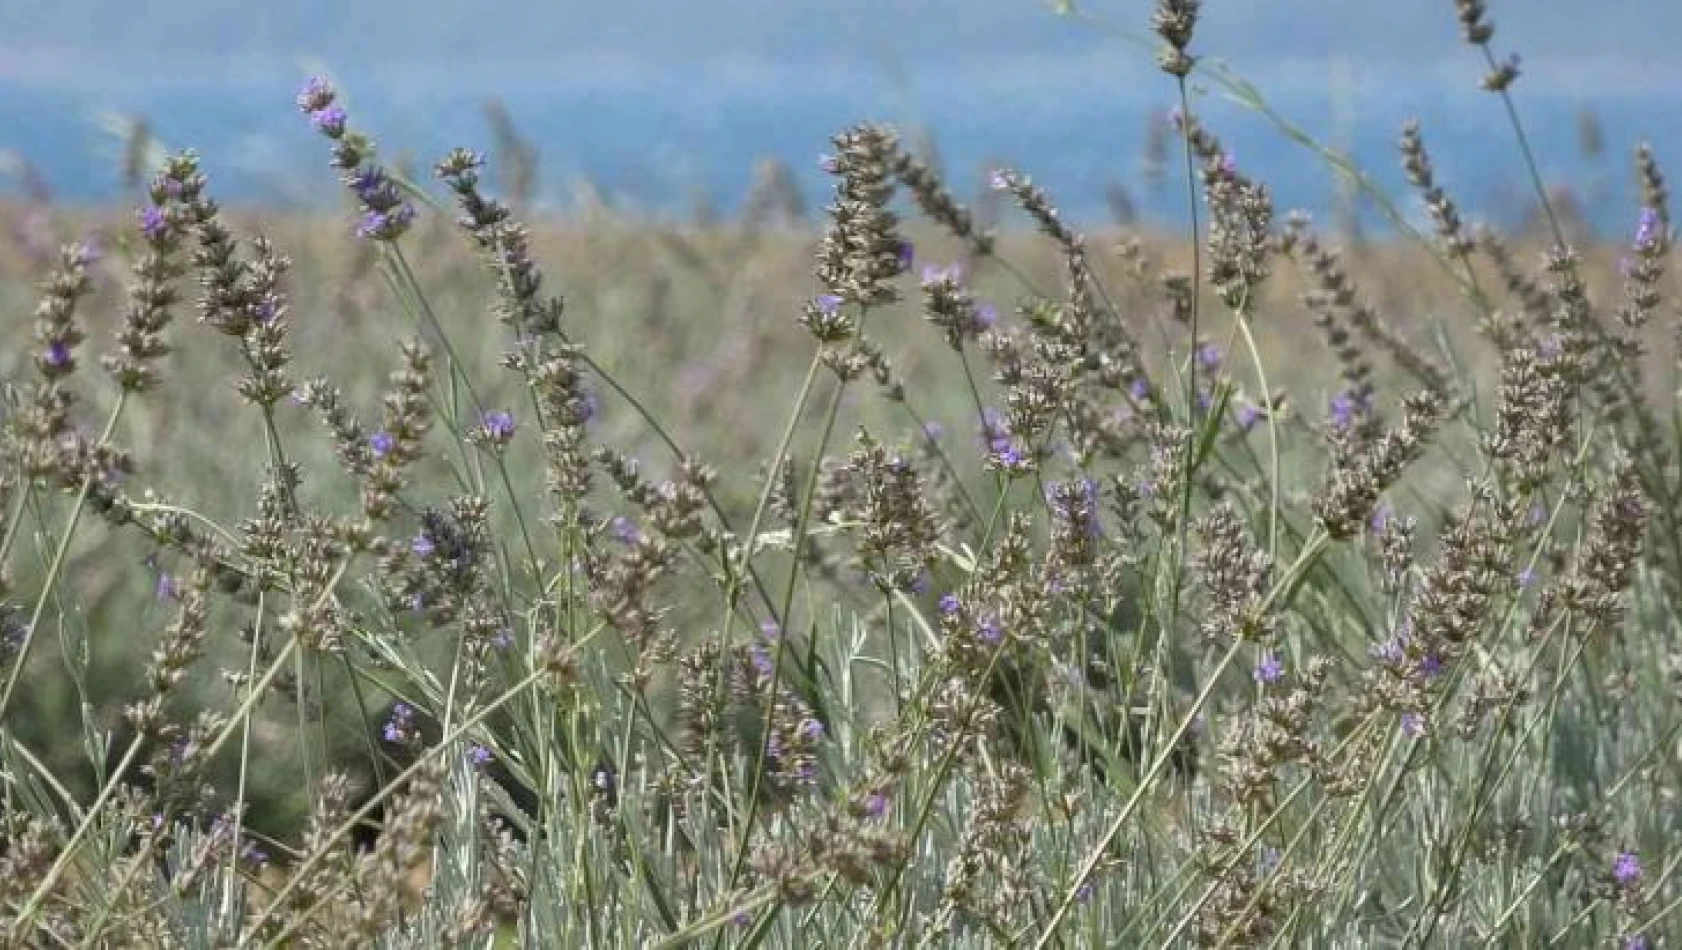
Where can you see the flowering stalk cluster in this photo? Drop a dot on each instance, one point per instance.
(397, 445)
(152, 291)
(861, 251)
(385, 212)
(506, 245)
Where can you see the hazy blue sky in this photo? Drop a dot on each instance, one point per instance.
(661, 99)
(81, 43)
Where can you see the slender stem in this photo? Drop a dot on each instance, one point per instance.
(12, 526)
(41, 769)
(245, 750)
(1274, 475)
(60, 554)
(802, 524)
(733, 589)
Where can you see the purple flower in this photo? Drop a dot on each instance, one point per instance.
(1381, 516)
(876, 804)
(1392, 650)
(988, 631)
(986, 316)
(329, 121)
(1626, 868)
(996, 430)
(1270, 670)
(625, 531)
(828, 304)
(1001, 179)
(770, 630)
(316, 95)
(933, 430)
(385, 225)
(372, 225)
(1634, 942)
(167, 588)
(1347, 405)
(400, 727)
(829, 163)
(498, 425)
(1430, 666)
(762, 662)
(1198, 724)
(1526, 577)
(153, 224)
(1083, 893)
(479, 756)
(906, 255)
(1139, 389)
(813, 729)
(502, 639)
(422, 546)
(918, 585)
(742, 918)
(381, 442)
(933, 275)
(1413, 725)
(949, 604)
(86, 253)
(1246, 415)
(1209, 356)
(253, 855)
(371, 185)
(58, 354)
(1538, 515)
(1649, 229)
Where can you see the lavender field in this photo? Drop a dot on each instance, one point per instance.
(881, 543)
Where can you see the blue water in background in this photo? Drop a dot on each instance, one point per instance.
(656, 149)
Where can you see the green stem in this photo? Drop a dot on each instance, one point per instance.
(802, 525)
(60, 555)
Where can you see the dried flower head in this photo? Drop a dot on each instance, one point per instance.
(1174, 21)
(860, 253)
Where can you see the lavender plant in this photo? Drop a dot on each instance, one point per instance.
(1039, 614)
